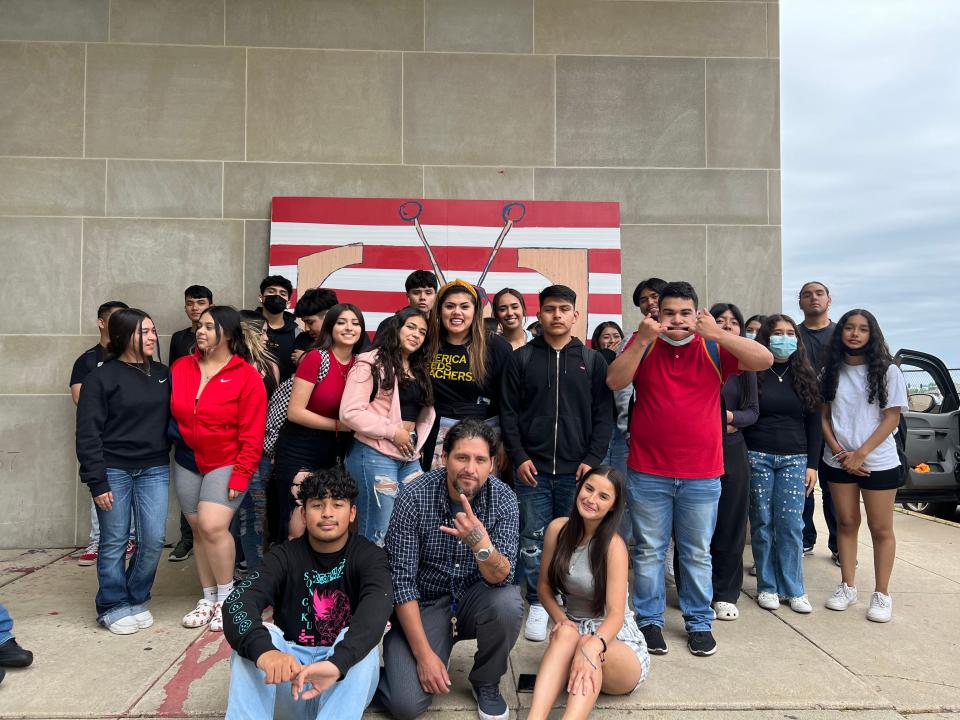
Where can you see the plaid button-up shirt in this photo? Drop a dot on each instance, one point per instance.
(426, 563)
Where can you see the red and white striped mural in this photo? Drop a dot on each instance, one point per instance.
(364, 248)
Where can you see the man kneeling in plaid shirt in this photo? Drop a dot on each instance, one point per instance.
(452, 544)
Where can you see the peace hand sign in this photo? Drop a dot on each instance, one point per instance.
(466, 526)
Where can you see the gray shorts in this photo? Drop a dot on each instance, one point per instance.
(193, 488)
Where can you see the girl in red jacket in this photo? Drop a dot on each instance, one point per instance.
(220, 405)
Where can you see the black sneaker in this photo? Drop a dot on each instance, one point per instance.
(182, 551)
(12, 655)
(653, 634)
(701, 643)
(808, 549)
(490, 703)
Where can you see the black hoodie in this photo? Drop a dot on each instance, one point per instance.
(280, 344)
(122, 420)
(554, 410)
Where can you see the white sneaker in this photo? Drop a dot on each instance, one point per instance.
(144, 619)
(801, 604)
(124, 626)
(881, 608)
(843, 597)
(725, 610)
(768, 600)
(536, 627)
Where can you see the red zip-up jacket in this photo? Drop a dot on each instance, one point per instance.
(224, 426)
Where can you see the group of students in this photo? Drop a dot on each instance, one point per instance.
(468, 458)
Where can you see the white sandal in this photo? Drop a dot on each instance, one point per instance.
(216, 622)
(200, 615)
(725, 610)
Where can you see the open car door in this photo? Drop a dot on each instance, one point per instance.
(933, 430)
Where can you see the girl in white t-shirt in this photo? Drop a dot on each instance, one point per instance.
(864, 393)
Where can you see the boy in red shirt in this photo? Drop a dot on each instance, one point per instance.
(678, 365)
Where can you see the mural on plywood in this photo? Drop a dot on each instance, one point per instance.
(364, 248)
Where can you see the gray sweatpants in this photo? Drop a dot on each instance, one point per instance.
(492, 615)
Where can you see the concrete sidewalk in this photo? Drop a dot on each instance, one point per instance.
(827, 665)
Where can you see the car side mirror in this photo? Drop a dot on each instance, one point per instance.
(921, 402)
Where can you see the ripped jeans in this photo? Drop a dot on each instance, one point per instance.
(552, 498)
(379, 479)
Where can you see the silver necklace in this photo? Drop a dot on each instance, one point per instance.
(137, 367)
(779, 375)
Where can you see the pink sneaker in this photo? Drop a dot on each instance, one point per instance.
(131, 548)
(89, 556)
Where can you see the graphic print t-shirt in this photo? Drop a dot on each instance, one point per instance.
(456, 394)
(314, 597)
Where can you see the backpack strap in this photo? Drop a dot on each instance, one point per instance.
(713, 352)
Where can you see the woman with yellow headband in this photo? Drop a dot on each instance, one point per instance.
(466, 361)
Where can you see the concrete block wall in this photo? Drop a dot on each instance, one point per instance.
(141, 142)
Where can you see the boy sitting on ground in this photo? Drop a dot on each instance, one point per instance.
(331, 594)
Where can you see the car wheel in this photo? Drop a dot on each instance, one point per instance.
(917, 507)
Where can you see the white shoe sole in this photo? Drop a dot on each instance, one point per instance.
(118, 629)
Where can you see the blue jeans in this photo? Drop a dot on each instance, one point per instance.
(777, 494)
(379, 479)
(247, 523)
(95, 525)
(552, 497)
(6, 625)
(661, 506)
(617, 457)
(252, 699)
(143, 495)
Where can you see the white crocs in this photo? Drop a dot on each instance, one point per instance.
(200, 615)
(216, 622)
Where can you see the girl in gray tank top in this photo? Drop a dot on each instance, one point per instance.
(595, 645)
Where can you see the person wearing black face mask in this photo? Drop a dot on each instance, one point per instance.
(282, 330)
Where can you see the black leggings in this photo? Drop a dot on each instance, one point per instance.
(726, 548)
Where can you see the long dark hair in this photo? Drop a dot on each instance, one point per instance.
(388, 365)
(226, 322)
(476, 339)
(877, 354)
(121, 327)
(571, 535)
(325, 338)
(595, 340)
(805, 383)
(718, 309)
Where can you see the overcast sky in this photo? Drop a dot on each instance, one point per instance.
(870, 133)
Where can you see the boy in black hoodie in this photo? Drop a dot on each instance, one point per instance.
(332, 595)
(556, 419)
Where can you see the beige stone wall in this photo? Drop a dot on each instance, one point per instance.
(141, 142)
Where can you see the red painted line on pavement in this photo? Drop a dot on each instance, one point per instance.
(191, 668)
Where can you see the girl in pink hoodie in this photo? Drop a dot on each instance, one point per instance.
(388, 403)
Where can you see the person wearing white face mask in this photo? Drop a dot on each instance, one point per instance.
(783, 449)
(678, 364)
(752, 326)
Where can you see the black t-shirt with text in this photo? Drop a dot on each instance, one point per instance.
(455, 393)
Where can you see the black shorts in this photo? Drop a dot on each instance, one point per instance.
(876, 480)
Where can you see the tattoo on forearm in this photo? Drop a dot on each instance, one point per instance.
(501, 562)
(474, 536)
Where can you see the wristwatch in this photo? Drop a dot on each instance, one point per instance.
(483, 553)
